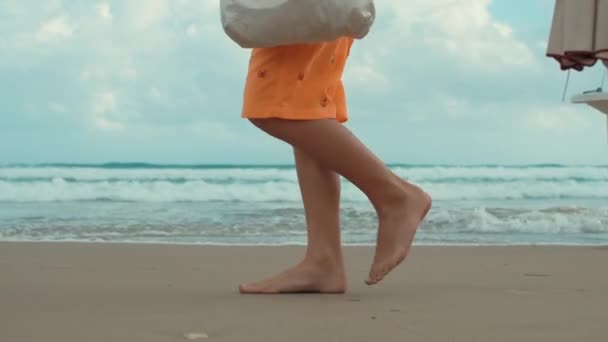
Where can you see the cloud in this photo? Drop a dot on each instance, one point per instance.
(104, 10)
(164, 68)
(463, 30)
(192, 30)
(108, 125)
(557, 119)
(144, 14)
(55, 29)
(105, 112)
(104, 103)
(155, 93)
(362, 74)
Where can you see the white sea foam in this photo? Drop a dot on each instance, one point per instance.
(473, 205)
(27, 184)
(180, 224)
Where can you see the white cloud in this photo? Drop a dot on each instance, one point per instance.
(104, 102)
(92, 72)
(192, 30)
(104, 10)
(166, 65)
(128, 73)
(462, 29)
(365, 74)
(55, 29)
(144, 14)
(155, 93)
(455, 108)
(211, 5)
(559, 118)
(108, 125)
(105, 109)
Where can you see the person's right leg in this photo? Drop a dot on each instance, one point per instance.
(401, 206)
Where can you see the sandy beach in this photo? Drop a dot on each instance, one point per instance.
(103, 292)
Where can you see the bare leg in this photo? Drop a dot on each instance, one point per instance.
(322, 269)
(400, 206)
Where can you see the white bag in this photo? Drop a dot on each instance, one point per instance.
(267, 23)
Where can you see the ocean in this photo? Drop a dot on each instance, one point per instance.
(260, 205)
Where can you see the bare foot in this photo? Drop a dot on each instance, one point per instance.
(306, 277)
(396, 231)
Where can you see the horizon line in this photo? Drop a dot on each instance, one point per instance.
(133, 164)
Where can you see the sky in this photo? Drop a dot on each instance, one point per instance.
(158, 81)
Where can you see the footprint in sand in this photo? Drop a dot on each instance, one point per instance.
(520, 292)
(195, 336)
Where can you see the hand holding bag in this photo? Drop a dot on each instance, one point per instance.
(267, 23)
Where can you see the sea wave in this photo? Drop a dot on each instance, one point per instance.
(180, 223)
(267, 184)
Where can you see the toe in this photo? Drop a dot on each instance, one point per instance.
(249, 288)
(377, 274)
(243, 288)
(372, 278)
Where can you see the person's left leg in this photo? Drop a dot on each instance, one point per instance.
(400, 206)
(322, 269)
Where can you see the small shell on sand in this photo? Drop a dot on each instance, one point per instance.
(195, 336)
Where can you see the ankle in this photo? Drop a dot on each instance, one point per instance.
(324, 259)
(393, 196)
(396, 197)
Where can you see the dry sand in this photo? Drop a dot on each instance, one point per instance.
(102, 292)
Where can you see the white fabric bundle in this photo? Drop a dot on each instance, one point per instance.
(267, 23)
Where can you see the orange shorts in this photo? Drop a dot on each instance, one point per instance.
(297, 82)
